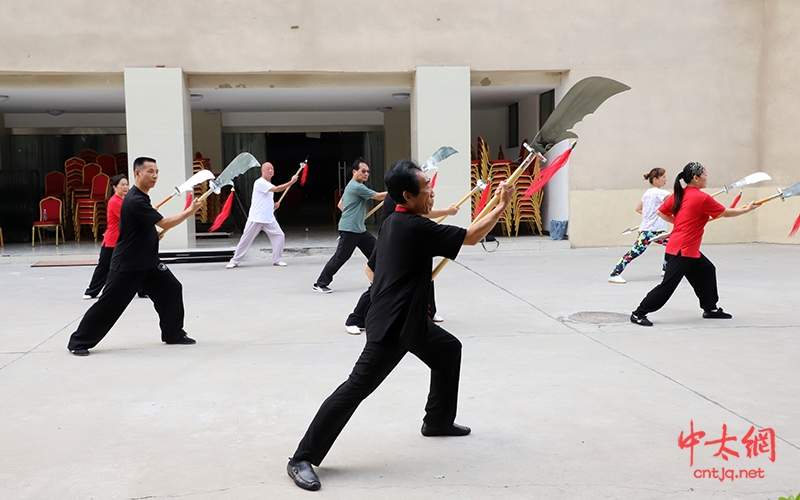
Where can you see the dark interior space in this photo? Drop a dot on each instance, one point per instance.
(329, 157)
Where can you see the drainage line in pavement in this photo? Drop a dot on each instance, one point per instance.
(40, 343)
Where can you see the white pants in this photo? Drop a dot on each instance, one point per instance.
(251, 230)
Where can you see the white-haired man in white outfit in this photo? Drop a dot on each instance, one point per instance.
(262, 218)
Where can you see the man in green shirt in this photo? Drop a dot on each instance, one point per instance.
(352, 231)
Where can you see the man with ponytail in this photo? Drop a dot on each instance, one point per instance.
(689, 210)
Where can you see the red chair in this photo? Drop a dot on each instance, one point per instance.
(72, 162)
(84, 189)
(89, 155)
(91, 211)
(122, 163)
(50, 215)
(55, 184)
(73, 169)
(108, 164)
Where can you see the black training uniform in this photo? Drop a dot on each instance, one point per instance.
(359, 315)
(134, 266)
(397, 323)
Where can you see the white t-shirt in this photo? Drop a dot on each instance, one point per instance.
(262, 206)
(652, 199)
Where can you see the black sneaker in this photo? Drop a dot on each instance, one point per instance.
(80, 352)
(640, 320)
(716, 314)
(185, 340)
(321, 288)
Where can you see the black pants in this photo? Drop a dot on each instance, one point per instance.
(442, 354)
(359, 315)
(700, 272)
(159, 283)
(100, 272)
(344, 250)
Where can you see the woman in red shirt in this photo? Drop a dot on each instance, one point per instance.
(689, 210)
(119, 184)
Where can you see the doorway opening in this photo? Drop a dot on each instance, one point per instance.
(329, 155)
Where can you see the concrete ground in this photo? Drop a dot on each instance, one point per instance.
(561, 405)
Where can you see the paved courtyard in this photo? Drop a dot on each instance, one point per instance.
(566, 398)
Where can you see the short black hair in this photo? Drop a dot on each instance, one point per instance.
(357, 164)
(401, 177)
(138, 162)
(115, 180)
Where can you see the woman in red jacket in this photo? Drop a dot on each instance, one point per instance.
(689, 210)
(119, 184)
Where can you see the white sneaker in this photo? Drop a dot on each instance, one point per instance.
(231, 265)
(353, 329)
(437, 319)
(87, 297)
(617, 279)
(280, 264)
(663, 273)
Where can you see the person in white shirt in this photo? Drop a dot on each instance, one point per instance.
(262, 218)
(652, 225)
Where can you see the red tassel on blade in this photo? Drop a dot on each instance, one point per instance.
(189, 198)
(482, 202)
(304, 176)
(548, 172)
(736, 200)
(795, 227)
(223, 214)
(433, 180)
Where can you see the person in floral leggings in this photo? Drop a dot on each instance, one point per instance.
(652, 225)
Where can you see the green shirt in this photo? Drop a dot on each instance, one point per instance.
(354, 207)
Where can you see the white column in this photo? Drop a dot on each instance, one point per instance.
(159, 125)
(440, 116)
(555, 205)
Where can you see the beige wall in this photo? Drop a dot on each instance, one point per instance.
(397, 127)
(492, 126)
(779, 96)
(207, 137)
(712, 81)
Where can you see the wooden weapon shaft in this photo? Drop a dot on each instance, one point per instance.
(287, 189)
(512, 179)
(461, 202)
(375, 209)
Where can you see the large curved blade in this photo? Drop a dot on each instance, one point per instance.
(750, 179)
(582, 99)
(200, 177)
(242, 163)
(792, 190)
(439, 155)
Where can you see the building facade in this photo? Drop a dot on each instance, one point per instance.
(710, 81)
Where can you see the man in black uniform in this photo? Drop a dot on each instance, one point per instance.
(356, 321)
(135, 266)
(397, 320)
